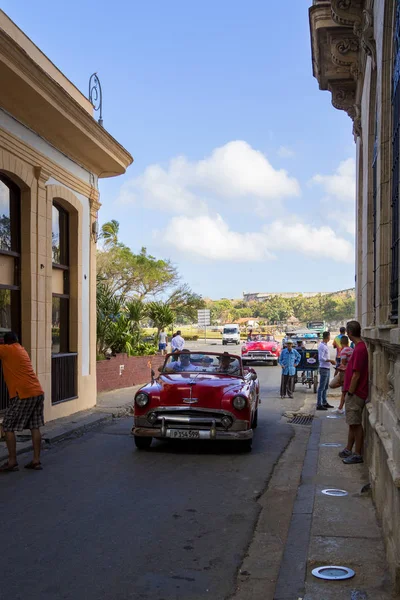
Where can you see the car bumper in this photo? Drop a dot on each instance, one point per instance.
(259, 358)
(204, 434)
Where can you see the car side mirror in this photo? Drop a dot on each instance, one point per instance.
(253, 376)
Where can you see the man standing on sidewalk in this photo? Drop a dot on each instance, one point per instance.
(355, 388)
(289, 359)
(177, 342)
(324, 371)
(26, 405)
(337, 344)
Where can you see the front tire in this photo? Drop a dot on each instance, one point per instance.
(143, 443)
(275, 363)
(245, 445)
(255, 419)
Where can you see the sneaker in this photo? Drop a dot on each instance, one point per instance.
(338, 411)
(321, 408)
(328, 405)
(353, 459)
(345, 453)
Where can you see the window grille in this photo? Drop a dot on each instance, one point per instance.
(394, 279)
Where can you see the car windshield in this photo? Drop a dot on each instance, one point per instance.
(230, 330)
(262, 338)
(199, 362)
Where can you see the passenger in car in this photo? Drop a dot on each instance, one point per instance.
(183, 364)
(228, 365)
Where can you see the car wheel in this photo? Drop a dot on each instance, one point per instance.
(143, 443)
(255, 420)
(315, 383)
(245, 445)
(275, 363)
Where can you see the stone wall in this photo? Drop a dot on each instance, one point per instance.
(123, 371)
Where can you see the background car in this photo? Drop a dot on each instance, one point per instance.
(198, 396)
(262, 348)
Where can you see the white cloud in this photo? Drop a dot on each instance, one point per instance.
(212, 239)
(234, 172)
(346, 220)
(342, 184)
(285, 152)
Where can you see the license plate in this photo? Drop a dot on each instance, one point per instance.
(188, 434)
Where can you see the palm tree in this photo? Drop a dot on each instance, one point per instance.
(135, 311)
(109, 233)
(161, 314)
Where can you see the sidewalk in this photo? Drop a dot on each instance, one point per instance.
(117, 403)
(331, 530)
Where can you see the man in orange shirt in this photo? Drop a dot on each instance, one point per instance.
(26, 404)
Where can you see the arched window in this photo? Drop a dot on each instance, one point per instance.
(10, 257)
(60, 251)
(10, 251)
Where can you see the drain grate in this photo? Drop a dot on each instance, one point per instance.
(301, 420)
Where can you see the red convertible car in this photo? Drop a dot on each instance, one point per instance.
(261, 348)
(198, 396)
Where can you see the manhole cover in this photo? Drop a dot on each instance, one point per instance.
(331, 445)
(334, 492)
(301, 420)
(333, 572)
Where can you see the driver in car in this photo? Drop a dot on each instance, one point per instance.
(228, 365)
(183, 364)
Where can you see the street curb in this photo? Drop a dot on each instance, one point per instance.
(292, 574)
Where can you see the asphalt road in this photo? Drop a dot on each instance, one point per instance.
(103, 520)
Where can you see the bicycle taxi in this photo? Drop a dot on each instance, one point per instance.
(306, 344)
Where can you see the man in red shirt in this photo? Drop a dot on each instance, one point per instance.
(355, 388)
(26, 402)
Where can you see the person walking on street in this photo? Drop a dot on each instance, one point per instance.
(355, 388)
(337, 344)
(289, 359)
(324, 371)
(162, 342)
(177, 342)
(26, 405)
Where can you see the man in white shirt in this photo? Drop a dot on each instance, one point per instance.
(177, 342)
(325, 363)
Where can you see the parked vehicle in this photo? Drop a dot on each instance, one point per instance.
(317, 327)
(231, 334)
(261, 348)
(198, 396)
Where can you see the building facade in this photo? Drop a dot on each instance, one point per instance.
(356, 57)
(52, 153)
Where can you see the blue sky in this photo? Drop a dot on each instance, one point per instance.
(243, 172)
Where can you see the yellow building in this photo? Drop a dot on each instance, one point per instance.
(52, 153)
(356, 56)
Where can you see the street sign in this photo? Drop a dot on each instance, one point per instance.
(203, 317)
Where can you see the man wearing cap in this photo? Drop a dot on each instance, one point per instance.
(289, 359)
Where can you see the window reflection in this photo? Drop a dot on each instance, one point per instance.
(5, 220)
(55, 235)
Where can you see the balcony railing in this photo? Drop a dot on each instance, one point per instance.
(63, 377)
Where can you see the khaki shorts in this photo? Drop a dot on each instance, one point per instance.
(354, 407)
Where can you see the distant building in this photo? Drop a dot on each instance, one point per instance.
(262, 296)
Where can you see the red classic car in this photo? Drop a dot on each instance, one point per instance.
(261, 348)
(198, 395)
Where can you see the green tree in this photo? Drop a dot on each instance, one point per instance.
(109, 233)
(161, 314)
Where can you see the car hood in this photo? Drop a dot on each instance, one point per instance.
(203, 390)
(261, 345)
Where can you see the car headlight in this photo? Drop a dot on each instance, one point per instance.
(274, 349)
(244, 349)
(239, 402)
(141, 399)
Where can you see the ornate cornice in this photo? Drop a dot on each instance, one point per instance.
(342, 38)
